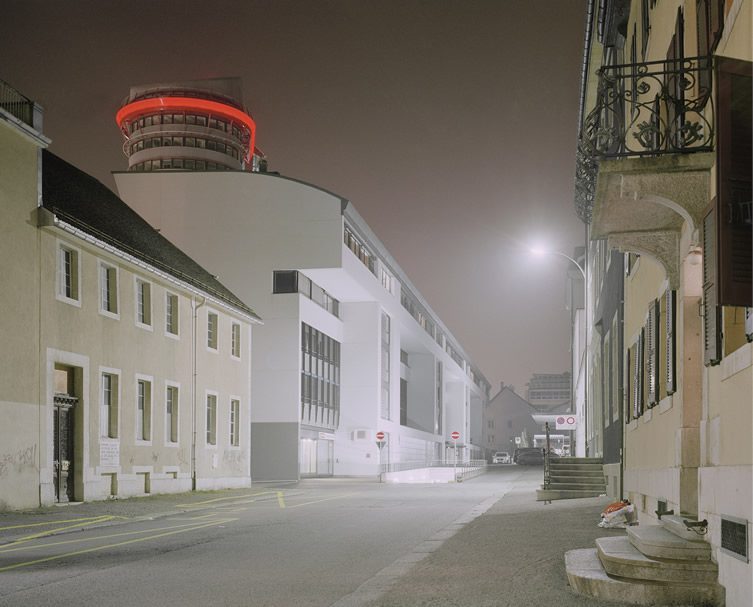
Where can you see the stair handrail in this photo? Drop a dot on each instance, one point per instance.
(546, 458)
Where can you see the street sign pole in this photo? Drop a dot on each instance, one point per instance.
(380, 444)
(455, 436)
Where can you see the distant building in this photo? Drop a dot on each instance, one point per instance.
(550, 392)
(349, 346)
(508, 422)
(125, 365)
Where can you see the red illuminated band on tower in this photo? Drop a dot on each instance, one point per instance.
(144, 107)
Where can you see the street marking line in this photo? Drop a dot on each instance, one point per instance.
(326, 499)
(70, 520)
(281, 499)
(81, 540)
(34, 536)
(222, 499)
(97, 548)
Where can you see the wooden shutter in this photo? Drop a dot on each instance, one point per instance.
(652, 351)
(712, 342)
(669, 316)
(734, 124)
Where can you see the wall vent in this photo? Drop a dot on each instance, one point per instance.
(735, 537)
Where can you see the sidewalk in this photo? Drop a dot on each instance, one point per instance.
(510, 556)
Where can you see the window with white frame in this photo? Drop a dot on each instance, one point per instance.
(143, 410)
(108, 410)
(108, 288)
(143, 302)
(236, 340)
(171, 314)
(171, 414)
(212, 328)
(235, 416)
(211, 419)
(68, 273)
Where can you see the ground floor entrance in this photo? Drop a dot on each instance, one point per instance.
(317, 454)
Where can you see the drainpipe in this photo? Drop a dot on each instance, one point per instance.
(194, 372)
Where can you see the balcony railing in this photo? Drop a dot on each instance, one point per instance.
(653, 108)
(16, 104)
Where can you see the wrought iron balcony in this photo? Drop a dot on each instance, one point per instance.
(653, 108)
(16, 104)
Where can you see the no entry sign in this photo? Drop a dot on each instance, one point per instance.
(455, 435)
(566, 422)
(380, 435)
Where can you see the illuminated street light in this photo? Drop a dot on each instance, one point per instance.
(539, 251)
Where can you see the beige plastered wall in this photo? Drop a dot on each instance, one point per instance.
(92, 342)
(19, 322)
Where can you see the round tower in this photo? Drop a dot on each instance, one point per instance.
(199, 125)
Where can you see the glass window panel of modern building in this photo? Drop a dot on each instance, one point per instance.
(320, 379)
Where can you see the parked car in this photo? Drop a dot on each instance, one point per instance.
(501, 457)
(531, 456)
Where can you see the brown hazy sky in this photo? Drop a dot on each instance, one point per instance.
(450, 125)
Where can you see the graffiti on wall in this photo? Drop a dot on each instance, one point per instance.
(17, 461)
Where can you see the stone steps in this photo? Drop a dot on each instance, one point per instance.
(547, 495)
(568, 471)
(658, 542)
(576, 485)
(588, 577)
(620, 558)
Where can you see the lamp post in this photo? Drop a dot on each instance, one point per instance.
(540, 252)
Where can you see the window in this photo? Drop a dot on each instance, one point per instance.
(212, 325)
(236, 340)
(143, 410)
(143, 303)
(68, 273)
(385, 394)
(440, 401)
(320, 379)
(108, 288)
(235, 416)
(211, 419)
(291, 281)
(171, 414)
(171, 314)
(403, 402)
(108, 411)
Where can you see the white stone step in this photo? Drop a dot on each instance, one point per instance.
(655, 541)
(619, 557)
(587, 577)
(674, 524)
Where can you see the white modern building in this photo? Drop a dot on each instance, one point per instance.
(348, 346)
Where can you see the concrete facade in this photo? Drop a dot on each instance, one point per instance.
(418, 388)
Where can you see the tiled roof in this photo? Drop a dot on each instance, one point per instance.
(87, 204)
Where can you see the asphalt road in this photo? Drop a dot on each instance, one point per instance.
(311, 544)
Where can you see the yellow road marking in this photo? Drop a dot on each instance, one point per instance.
(70, 520)
(34, 536)
(326, 499)
(115, 545)
(281, 499)
(81, 540)
(222, 499)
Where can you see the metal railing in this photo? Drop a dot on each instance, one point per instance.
(651, 108)
(16, 104)
(547, 459)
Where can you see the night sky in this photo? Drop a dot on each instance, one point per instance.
(450, 125)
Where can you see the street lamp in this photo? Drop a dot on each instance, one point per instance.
(541, 252)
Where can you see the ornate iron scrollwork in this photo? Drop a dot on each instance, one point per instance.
(647, 109)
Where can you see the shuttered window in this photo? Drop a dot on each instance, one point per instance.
(734, 158)
(652, 354)
(711, 311)
(668, 312)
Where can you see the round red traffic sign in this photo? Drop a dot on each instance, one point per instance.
(380, 435)
(455, 435)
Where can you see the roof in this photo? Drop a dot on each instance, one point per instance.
(87, 204)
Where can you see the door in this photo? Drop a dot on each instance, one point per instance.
(62, 448)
